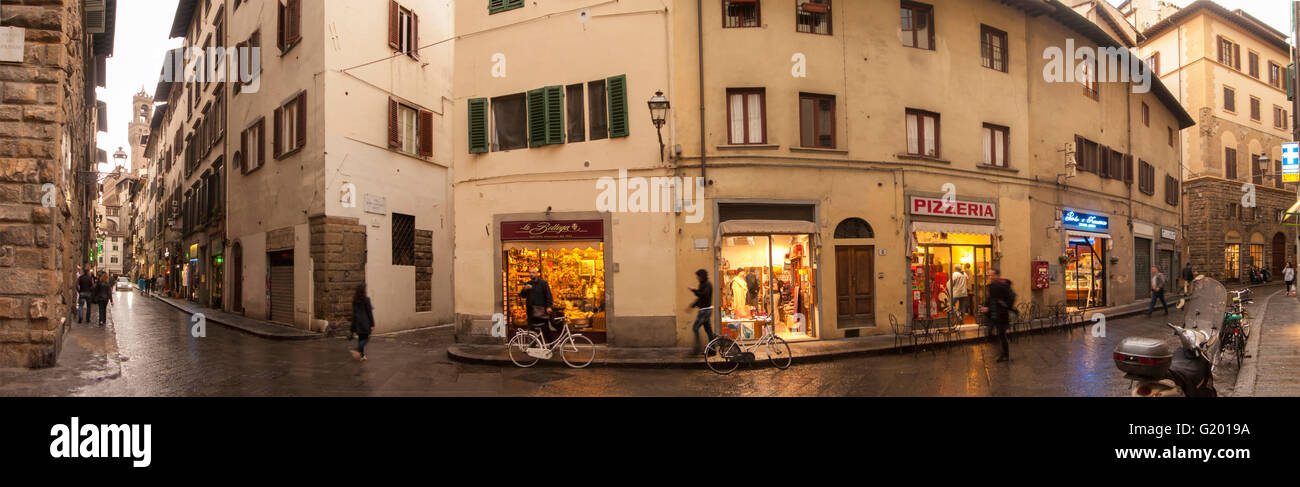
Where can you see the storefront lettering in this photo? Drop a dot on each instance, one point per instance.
(553, 230)
(963, 209)
(1085, 221)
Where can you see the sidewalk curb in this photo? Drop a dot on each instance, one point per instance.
(1249, 371)
(300, 335)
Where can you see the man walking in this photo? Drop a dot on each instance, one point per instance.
(1188, 276)
(999, 305)
(703, 301)
(961, 293)
(85, 290)
(1157, 291)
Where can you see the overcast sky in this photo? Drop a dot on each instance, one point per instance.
(143, 27)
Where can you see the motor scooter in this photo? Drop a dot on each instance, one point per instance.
(1157, 369)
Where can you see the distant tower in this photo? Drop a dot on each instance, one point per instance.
(138, 129)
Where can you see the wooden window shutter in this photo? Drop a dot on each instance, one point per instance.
(1078, 153)
(495, 6)
(302, 121)
(478, 130)
(276, 129)
(537, 117)
(426, 133)
(261, 141)
(1128, 169)
(1103, 161)
(243, 151)
(415, 36)
(280, 26)
(1236, 61)
(616, 90)
(1218, 46)
(394, 25)
(394, 138)
(554, 114)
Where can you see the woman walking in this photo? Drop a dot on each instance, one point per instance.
(363, 321)
(103, 296)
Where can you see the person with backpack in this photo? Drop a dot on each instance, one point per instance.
(363, 321)
(999, 304)
(102, 296)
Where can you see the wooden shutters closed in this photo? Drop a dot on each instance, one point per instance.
(855, 285)
(394, 138)
(478, 129)
(394, 25)
(426, 133)
(280, 272)
(616, 88)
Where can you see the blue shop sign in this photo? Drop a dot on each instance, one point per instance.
(1085, 221)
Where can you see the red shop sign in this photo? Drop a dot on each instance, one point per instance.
(554, 230)
(962, 209)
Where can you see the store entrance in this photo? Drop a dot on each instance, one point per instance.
(575, 272)
(768, 280)
(1085, 272)
(943, 266)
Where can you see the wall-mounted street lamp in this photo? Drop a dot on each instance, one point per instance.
(659, 116)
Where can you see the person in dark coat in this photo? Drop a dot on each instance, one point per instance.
(703, 301)
(363, 321)
(999, 304)
(85, 290)
(1188, 276)
(102, 296)
(538, 302)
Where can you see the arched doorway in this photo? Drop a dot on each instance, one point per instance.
(855, 284)
(237, 279)
(1279, 254)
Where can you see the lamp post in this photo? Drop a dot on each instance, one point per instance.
(659, 116)
(119, 159)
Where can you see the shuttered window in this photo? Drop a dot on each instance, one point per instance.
(403, 30)
(410, 129)
(616, 88)
(290, 128)
(289, 21)
(478, 129)
(497, 6)
(1230, 163)
(1146, 178)
(996, 142)
(252, 146)
(1229, 99)
(1171, 190)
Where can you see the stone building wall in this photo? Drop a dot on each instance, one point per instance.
(338, 248)
(46, 137)
(1209, 217)
(423, 270)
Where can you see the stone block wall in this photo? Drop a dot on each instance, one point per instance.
(423, 270)
(46, 137)
(1209, 218)
(338, 247)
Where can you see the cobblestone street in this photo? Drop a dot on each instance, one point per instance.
(158, 357)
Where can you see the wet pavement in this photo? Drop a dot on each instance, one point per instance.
(159, 357)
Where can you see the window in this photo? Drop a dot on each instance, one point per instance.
(1254, 109)
(1090, 80)
(573, 115)
(1274, 74)
(290, 24)
(290, 126)
(812, 16)
(1171, 190)
(922, 133)
(1256, 172)
(746, 116)
(403, 30)
(1229, 99)
(1252, 63)
(509, 122)
(996, 142)
(1279, 117)
(1146, 178)
(1146, 114)
(1277, 173)
(596, 112)
(498, 6)
(1230, 163)
(410, 129)
(816, 121)
(1153, 63)
(545, 116)
(403, 239)
(741, 13)
(917, 25)
(1229, 53)
(993, 48)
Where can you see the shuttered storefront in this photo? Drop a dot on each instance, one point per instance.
(280, 269)
(1142, 267)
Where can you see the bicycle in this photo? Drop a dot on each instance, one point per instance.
(723, 355)
(527, 347)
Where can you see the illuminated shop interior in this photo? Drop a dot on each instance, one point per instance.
(767, 279)
(935, 257)
(574, 270)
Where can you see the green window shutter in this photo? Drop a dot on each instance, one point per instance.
(537, 117)
(616, 90)
(513, 4)
(495, 6)
(554, 114)
(478, 129)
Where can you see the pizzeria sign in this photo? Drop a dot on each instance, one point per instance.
(921, 205)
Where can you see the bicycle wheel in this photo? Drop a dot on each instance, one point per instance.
(778, 351)
(518, 349)
(579, 352)
(1240, 347)
(722, 355)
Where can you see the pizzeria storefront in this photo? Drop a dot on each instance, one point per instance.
(1087, 247)
(947, 237)
(571, 256)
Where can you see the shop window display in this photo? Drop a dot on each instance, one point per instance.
(576, 274)
(767, 279)
(1085, 272)
(935, 259)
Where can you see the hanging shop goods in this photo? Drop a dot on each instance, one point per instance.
(1087, 246)
(766, 278)
(570, 257)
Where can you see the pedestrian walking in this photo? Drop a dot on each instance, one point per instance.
(1288, 275)
(1188, 276)
(85, 290)
(538, 302)
(999, 304)
(1157, 291)
(102, 296)
(703, 301)
(960, 283)
(363, 321)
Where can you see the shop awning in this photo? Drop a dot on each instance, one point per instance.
(1081, 233)
(765, 227)
(954, 228)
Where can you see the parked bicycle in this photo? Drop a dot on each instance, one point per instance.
(1234, 332)
(529, 345)
(723, 354)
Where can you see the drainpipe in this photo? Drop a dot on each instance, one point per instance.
(699, 39)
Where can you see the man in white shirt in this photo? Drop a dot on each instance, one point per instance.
(960, 285)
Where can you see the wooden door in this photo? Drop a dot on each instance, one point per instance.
(855, 285)
(1279, 254)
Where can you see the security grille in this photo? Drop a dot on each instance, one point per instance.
(403, 239)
